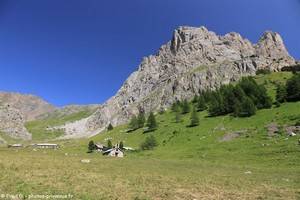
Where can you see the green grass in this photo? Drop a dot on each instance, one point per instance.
(189, 163)
(38, 128)
(271, 80)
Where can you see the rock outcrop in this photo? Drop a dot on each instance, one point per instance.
(12, 123)
(195, 59)
(16, 109)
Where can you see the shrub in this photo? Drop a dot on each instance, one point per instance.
(149, 143)
(110, 127)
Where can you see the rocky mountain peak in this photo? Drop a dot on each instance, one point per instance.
(195, 59)
(271, 45)
(185, 34)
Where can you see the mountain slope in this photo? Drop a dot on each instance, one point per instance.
(22, 115)
(195, 59)
(30, 106)
(16, 109)
(12, 123)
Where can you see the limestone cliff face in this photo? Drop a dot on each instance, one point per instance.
(195, 59)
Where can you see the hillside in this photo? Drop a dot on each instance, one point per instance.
(222, 158)
(195, 59)
(30, 117)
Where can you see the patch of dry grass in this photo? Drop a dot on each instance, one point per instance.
(52, 172)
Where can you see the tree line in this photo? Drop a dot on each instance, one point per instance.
(138, 122)
(240, 100)
(290, 91)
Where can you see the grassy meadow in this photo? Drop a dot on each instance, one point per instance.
(188, 164)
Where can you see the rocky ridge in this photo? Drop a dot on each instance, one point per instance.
(195, 59)
(16, 109)
(30, 106)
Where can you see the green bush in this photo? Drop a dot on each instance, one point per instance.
(149, 143)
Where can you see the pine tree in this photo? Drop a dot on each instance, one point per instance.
(151, 123)
(246, 108)
(121, 145)
(281, 93)
(195, 99)
(177, 117)
(293, 88)
(185, 107)
(207, 95)
(194, 118)
(257, 93)
(110, 127)
(264, 101)
(91, 146)
(216, 106)
(229, 98)
(176, 106)
(133, 124)
(201, 104)
(109, 144)
(141, 120)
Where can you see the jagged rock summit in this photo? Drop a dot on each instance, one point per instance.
(195, 59)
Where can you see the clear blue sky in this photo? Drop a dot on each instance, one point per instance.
(81, 51)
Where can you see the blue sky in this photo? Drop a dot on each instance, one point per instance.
(81, 51)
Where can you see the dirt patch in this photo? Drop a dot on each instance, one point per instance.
(273, 129)
(292, 130)
(232, 135)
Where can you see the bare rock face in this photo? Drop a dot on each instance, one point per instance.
(195, 59)
(12, 123)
